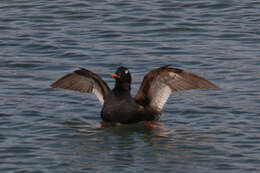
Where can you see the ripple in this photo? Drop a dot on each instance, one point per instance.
(59, 131)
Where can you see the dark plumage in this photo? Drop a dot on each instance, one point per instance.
(118, 104)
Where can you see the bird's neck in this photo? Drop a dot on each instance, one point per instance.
(122, 88)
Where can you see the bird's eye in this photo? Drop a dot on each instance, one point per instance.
(126, 71)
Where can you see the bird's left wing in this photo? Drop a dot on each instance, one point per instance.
(83, 80)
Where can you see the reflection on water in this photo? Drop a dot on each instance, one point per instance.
(133, 144)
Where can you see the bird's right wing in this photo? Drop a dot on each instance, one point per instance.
(83, 80)
(158, 84)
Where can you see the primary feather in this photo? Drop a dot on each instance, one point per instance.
(158, 84)
(83, 80)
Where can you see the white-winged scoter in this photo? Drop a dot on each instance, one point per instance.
(118, 104)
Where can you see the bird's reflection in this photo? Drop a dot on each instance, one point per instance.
(124, 144)
(131, 133)
(157, 129)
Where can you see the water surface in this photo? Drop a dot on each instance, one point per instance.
(47, 130)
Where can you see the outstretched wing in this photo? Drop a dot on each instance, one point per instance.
(83, 80)
(158, 84)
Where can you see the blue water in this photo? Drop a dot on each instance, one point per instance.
(48, 130)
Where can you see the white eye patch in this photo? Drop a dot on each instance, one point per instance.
(126, 71)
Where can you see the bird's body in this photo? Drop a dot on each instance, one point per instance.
(118, 104)
(124, 109)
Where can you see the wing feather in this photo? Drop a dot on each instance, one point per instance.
(83, 80)
(158, 84)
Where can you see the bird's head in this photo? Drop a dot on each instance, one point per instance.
(122, 76)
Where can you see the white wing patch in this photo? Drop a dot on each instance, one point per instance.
(158, 85)
(98, 95)
(161, 95)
